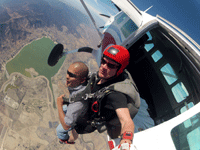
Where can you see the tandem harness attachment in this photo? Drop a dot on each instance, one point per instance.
(94, 116)
(83, 95)
(96, 119)
(94, 103)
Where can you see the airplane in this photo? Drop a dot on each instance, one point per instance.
(165, 65)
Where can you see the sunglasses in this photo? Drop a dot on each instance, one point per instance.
(111, 66)
(71, 74)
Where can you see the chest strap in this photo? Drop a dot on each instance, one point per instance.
(83, 95)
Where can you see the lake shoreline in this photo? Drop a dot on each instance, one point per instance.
(24, 47)
(34, 57)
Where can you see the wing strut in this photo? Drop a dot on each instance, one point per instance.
(83, 3)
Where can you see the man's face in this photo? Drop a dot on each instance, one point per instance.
(72, 77)
(107, 69)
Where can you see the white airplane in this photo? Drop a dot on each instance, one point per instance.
(165, 65)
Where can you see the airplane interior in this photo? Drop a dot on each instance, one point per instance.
(164, 75)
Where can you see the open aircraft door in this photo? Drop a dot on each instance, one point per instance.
(168, 78)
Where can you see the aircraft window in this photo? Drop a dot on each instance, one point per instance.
(169, 73)
(180, 92)
(128, 28)
(188, 123)
(157, 56)
(148, 47)
(193, 138)
(122, 18)
(187, 138)
(149, 35)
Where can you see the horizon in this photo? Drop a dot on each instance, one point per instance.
(185, 15)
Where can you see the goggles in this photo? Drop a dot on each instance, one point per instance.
(71, 74)
(111, 66)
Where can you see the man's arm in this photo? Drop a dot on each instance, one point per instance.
(73, 136)
(126, 122)
(61, 112)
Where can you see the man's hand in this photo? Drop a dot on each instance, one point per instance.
(61, 112)
(124, 146)
(126, 141)
(60, 100)
(127, 124)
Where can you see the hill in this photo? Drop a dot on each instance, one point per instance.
(16, 16)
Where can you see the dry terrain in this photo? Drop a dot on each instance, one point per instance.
(27, 116)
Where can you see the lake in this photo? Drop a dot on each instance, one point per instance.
(35, 55)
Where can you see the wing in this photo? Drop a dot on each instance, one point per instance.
(90, 15)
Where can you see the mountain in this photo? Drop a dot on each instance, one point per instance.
(17, 15)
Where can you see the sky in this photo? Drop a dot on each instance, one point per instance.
(183, 14)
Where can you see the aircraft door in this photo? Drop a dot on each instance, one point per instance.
(167, 78)
(174, 73)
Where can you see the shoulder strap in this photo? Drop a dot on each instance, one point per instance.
(66, 100)
(83, 95)
(127, 87)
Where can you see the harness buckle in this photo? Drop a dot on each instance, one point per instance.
(86, 96)
(95, 106)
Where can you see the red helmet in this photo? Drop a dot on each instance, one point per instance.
(119, 54)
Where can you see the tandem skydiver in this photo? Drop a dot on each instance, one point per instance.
(68, 110)
(113, 98)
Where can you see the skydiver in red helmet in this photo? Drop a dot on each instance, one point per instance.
(114, 99)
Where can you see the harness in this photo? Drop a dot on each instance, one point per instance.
(126, 86)
(83, 95)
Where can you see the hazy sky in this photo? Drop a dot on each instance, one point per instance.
(95, 9)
